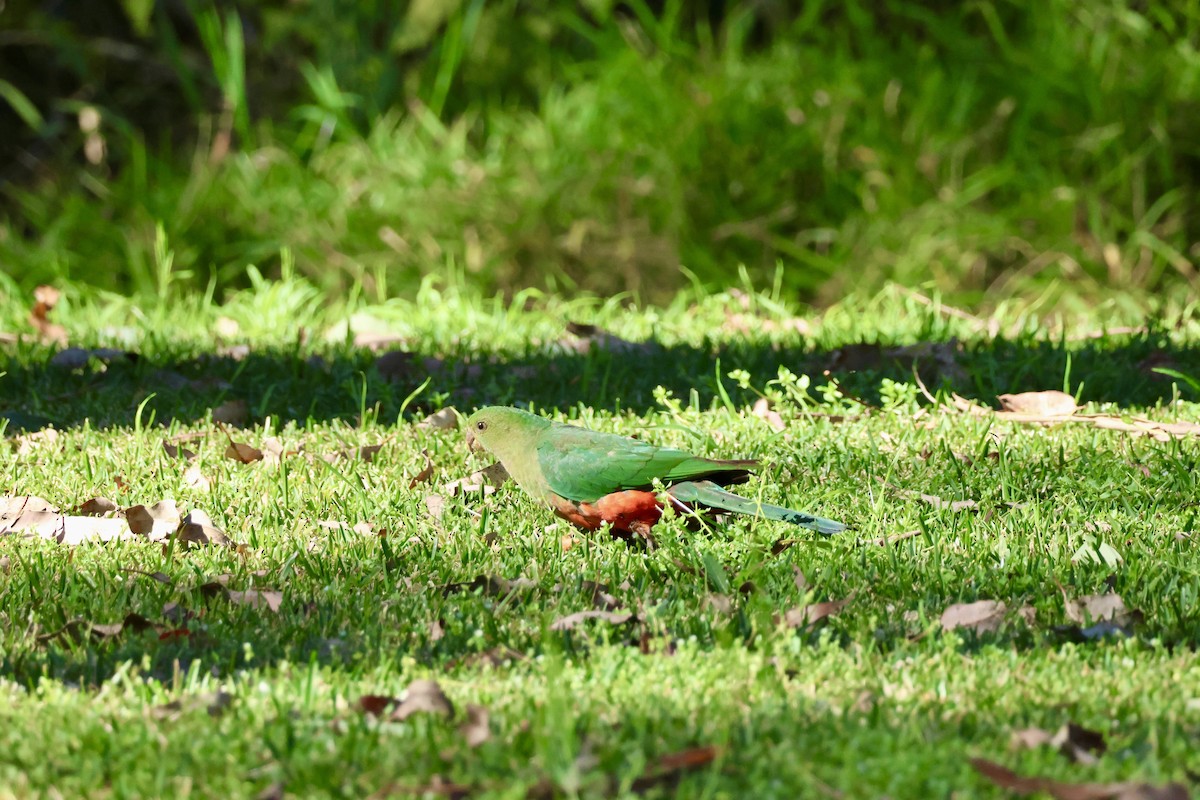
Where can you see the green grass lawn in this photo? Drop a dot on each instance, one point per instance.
(699, 683)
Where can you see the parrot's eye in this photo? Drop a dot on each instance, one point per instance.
(481, 426)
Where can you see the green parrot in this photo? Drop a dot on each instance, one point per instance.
(590, 478)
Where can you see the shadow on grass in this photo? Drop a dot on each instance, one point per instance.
(314, 386)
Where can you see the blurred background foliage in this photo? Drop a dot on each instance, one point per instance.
(984, 148)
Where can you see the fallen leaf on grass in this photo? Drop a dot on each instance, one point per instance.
(571, 620)
(197, 528)
(1076, 742)
(763, 410)
(29, 442)
(425, 473)
(269, 599)
(33, 516)
(486, 480)
(982, 616)
(45, 298)
(231, 412)
(597, 591)
(156, 576)
(1138, 426)
(719, 603)
(444, 420)
(1061, 790)
(477, 728)
(193, 478)
(811, 614)
(365, 454)
(1040, 404)
(435, 504)
(213, 703)
(157, 522)
(97, 507)
(672, 767)
(78, 628)
(1098, 615)
(1097, 608)
(174, 447)
(422, 697)
(496, 657)
(242, 452)
(933, 501)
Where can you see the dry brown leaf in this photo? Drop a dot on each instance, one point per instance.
(272, 450)
(27, 443)
(422, 697)
(365, 454)
(671, 767)
(269, 599)
(155, 576)
(444, 420)
(1040, 404)
(982, 616)
(934, 501)
(571, 620)
(763, 410)
(1138, 426)
(1081, 745)
(719, 603)
(33, 516)
(194, 479)
(375, 704)
(243, 453)
(97, 507)
(425, 473)
(1097, 608)
(231, 412)
(45, 298)
(197, 528)
(486, 480)
(157, 522)
(435, 504)
(178, 451)
(477, 728)
(15, 505)
(803, 616)
(1061, 790)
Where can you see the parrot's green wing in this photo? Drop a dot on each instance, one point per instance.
(584, 465)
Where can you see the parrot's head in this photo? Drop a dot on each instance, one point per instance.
(502, 431)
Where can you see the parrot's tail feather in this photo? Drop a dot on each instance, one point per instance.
(707, 493)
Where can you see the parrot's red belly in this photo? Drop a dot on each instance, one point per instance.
(631, 511)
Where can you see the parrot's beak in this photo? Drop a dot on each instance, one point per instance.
(473, 445)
